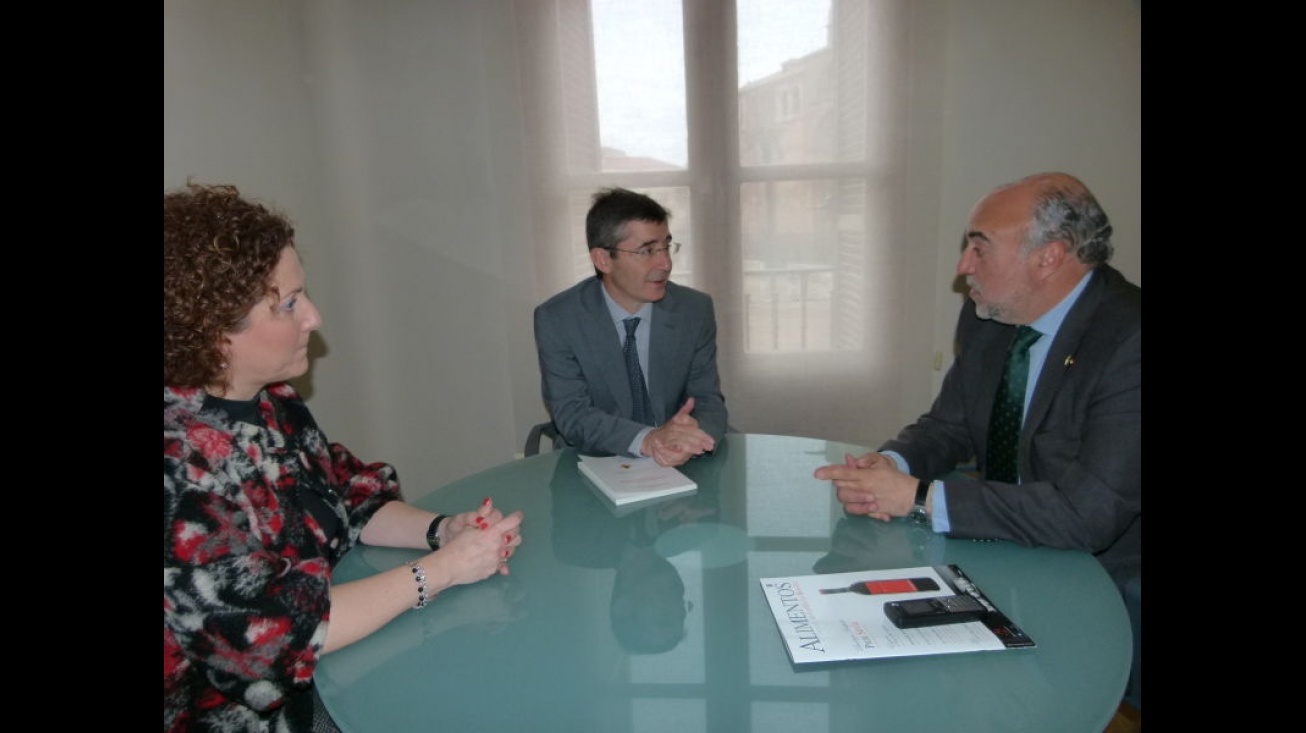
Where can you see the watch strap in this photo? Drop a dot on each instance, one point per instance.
(433, 537)
(922, 493)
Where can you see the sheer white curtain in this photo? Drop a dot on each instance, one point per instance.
(777, 133)
(406, 138)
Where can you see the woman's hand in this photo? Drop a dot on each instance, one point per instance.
(480, 544)
(483, 517)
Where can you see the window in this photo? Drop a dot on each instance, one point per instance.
(772, 130)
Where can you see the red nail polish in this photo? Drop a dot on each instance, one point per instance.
(507, 538)
(505, 552)
(486, 502)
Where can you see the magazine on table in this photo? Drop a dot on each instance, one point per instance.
(900, 612)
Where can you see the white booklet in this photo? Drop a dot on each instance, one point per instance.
(626, 480)
(841, 616)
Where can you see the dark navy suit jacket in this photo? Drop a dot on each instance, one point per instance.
(1081, 447)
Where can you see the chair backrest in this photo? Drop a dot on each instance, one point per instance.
(1133, 592)
(542, 430)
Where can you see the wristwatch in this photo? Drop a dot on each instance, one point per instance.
(918, 512)
(433, 537)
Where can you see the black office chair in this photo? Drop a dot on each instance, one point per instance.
(1133, 592)
(540, 431)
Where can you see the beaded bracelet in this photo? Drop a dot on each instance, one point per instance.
(419, 577)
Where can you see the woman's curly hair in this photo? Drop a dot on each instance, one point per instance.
(219, 253)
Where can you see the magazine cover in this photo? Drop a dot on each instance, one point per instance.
(843, 616)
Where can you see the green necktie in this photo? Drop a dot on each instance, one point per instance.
(1000, 462)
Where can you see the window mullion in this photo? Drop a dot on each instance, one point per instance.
(712, 93)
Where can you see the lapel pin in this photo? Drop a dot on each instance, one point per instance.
(1070, 360)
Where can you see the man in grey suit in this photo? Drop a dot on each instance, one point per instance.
(592, 389)
(1035, 255)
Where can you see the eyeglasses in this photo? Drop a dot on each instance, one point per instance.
(646, 252)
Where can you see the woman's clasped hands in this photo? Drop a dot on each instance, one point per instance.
(481, 542)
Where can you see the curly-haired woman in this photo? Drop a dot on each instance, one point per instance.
(257, 504)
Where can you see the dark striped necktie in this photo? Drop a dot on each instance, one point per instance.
(643, 412)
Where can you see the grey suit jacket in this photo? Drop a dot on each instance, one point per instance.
(1081, 449)
(583, 373)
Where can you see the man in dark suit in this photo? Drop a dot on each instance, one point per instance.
(592, 390)
(1035, 255)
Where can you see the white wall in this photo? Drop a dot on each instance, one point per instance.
(390, 132)
(1040, 85)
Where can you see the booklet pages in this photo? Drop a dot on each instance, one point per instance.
(627, 480)
(840, 616)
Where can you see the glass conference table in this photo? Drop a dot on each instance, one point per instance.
(653, 619)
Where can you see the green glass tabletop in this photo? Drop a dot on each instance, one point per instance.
(652, 619)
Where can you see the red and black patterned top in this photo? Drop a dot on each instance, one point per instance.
(246, 568)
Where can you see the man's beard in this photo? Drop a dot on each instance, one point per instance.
(986, 311)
